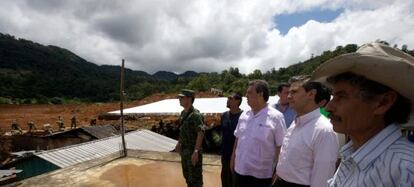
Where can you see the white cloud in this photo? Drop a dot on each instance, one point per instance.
(202, 35)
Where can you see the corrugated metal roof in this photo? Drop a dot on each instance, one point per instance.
(5, 173)
(23, 153)
(100, 132)
(136, 140)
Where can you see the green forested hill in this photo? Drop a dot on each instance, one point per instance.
(34, 73)
(37, 73)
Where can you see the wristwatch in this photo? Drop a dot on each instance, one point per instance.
(195, 150)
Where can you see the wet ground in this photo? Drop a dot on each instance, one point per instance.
(154, 174)
(139, 169)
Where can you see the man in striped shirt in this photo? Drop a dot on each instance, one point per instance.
(372, 95)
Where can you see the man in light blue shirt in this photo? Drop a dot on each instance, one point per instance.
(283, 105)
(372, 96)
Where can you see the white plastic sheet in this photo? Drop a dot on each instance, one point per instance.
(172, 106)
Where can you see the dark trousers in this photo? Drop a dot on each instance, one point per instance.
(250, 181)
(227, 177)
(282, 183)
(193, 174)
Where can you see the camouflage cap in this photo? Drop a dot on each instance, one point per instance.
(186, 93)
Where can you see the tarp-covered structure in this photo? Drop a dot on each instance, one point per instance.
(207, 106)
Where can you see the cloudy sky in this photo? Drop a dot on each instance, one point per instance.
(206, 35)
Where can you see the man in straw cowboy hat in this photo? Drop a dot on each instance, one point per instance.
(373, 94)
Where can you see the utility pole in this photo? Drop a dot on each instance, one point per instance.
(122, 94)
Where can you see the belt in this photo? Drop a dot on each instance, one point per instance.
(282, 183)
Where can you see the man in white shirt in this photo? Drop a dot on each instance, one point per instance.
(373, 94)
(310, 147)
(259, 135)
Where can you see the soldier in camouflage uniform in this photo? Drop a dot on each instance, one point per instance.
(73, 122)
(190, 140)
(31, 126)
(92, 122)
(47, 128)
(16, 128)
(60, 123)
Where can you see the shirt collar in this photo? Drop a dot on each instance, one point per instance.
(346, 150)
(373, 148)
(304, 119)
(263, 110)
(189, 110)
(278, 105)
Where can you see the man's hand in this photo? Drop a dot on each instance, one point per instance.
(232, 164)
(233, 156)
(178, 147)
(194, 158)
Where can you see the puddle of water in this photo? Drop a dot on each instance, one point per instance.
(154, 174)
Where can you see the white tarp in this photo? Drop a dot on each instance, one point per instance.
(172, 106)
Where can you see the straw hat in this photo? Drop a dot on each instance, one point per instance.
(378, 62)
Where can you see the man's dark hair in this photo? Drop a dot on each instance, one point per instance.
(281, 86)
(325, 94)
(369, 90)
(238, 96)
(322, 92)
(261, 87)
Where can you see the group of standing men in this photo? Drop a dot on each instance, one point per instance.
(293, 144)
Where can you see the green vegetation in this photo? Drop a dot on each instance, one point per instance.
(32, 73)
